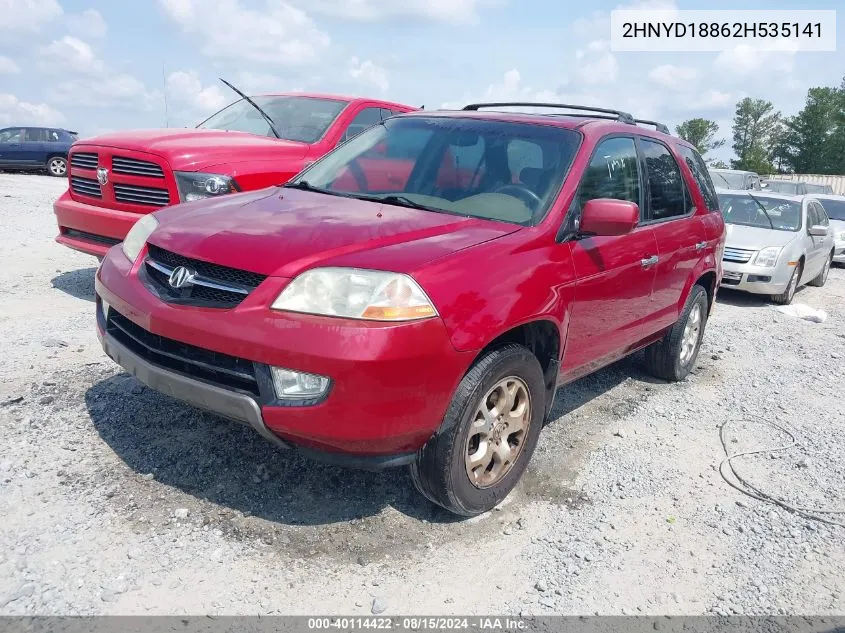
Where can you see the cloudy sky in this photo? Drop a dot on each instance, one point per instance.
(100, 65)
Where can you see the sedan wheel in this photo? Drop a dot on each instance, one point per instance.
(785, 298)
(821, 279)
(57, 166)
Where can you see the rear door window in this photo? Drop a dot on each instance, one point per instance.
(667, 194)
(701, 176)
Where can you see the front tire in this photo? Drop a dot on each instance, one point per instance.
(57, 166)
(488, 434)
(786, 297)
(821, 279)
(673, 357)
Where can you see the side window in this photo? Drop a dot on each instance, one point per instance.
(365, 119)
(701, 176)
(667, 194)
(35, 135)
(385, 113)
(812, 215)
(613, 172)
(54, 136)
(821, 215)
(12, 135)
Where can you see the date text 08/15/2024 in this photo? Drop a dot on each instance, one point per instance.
(418, 623)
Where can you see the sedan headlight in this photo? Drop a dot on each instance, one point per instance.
(768, 257)
(356, 294)
(194, 185)
(840, 237)
(135, 239)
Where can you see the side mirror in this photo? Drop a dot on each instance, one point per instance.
(817, 230)
(606, 216)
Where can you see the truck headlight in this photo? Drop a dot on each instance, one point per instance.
(136, 238)
(194, 185)
(355, 293)
(768, 257)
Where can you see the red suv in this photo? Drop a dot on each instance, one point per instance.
(417, 296)
(253, 143)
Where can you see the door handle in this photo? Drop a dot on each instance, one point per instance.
(649, 261)
(701, 246)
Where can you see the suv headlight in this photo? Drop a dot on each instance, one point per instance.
(768, 257)
(354, 293)
(135, 239)
(194, 185)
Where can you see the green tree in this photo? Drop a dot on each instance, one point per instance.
(701, 133)
(813, 139)
(756, 129)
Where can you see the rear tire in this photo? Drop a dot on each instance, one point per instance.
(452, 468)
(57, 166)
(673, 357)
(786, 297)
(821, 279)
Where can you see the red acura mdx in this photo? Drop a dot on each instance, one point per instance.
(417, 296)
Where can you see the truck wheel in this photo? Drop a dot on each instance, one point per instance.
(785, 298)
(821, 279)
(673, 357)
(57, 166)
(488, 434)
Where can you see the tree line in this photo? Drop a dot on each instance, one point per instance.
(767, 142)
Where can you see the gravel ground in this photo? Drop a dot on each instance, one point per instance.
(118, 500)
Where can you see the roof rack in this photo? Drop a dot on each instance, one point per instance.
(658, 126)
(621, 116)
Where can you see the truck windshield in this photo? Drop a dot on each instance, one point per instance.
(496, 170)
(302, 119)
(761, 211)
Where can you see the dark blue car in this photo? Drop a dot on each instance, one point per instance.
(35, 148)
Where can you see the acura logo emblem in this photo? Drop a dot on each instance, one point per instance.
(180, 277)
(102, 175)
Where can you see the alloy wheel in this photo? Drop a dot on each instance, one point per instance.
(692, 332)
(498, 432)
(57, 167)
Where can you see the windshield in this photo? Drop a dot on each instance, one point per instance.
(303, 119)
(727, 180)
(776, 213)
(496, 170)
(813, 188)
(782, 186)
(835, 209)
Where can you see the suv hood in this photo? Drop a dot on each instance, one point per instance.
(192, 149)
(281, 232)
(755, 238)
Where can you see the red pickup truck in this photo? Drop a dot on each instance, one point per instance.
(426, 318)
(252, 143)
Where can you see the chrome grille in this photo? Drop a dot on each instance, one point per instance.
(84, 160)
(135, 167)
(85, 187)
(134, 194)
(738, 255)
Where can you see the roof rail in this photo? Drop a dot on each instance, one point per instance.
(621, 116)
(658, 126)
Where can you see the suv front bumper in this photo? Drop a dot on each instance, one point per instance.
(391, 382)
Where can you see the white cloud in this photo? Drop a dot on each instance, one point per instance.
(8, 66)
(279, 34)
(601, 70)
(106, 91)
(369, 73)
(454, 11)
(185, 90)
(744, 60)
(257, 83)
(89, 23)
(13, 111)
(70, 54)
(673, 77)
(27, 15)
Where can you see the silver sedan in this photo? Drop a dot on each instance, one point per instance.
(834, 206)
(775, 243)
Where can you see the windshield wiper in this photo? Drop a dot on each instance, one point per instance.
(304, 185)
(256, 106)
(759, 204)
(399, 201)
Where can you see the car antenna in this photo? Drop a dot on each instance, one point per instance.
(256, 106)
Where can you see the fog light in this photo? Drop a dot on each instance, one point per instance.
(297, 385)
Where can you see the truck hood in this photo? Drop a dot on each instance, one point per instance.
(282, 232)
(191, 149)
(755, 238)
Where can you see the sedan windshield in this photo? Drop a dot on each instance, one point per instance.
(496, 170)
(727, 180)
(782, 186)
(835, 209)
(761, 211)
(303, 119)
